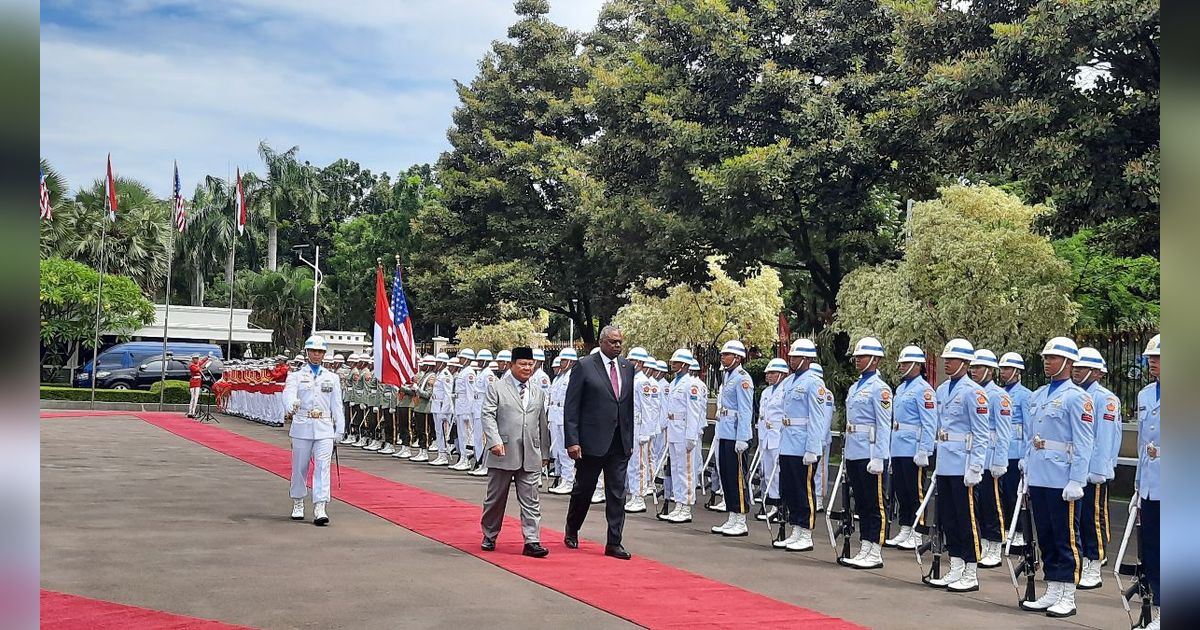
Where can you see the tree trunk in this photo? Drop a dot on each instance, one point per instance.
(272, 245)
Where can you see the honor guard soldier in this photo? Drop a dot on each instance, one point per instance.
(770, 422)
(540, 378)
(1011, 367)
(373, 399)
(1146, 482)
(684, 413)
(464, 409)
(394, 407)
(441, 405)
(962, 446)
(803, 426)
(1062, 420)
(989, 508)
(412, 395)
(914, 422)
(503, 359)
(640, 471)
(349, 383)
(564, 465)
(735, 415)
(868, 446)
(485, 379)
(698, 452)
(313, 398)
(659, 445)
(1093, 509)
(819, 477)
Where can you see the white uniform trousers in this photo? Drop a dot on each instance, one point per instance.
(683, 474)
(558, 448)
(193, 400)
(770, 460)
(658, 450)
(639, 473)
(464, 437)
(305, 452)
(440, 423)
(477, 434)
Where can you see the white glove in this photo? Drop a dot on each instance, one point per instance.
(1094, 478)
(691, 444)
(921, 460)
(810, 459)
(643, 439)
(741, 446)
(1073, 491)
(972, 478)
(998, 471)
(875, 466)
(1021, 464)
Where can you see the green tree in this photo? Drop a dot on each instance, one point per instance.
(723, 309)
(206, 246)
(280, 300)
(1058, 97)
(972, 268)
(67, 299)
(510, 331)
(1113, 291)
(289, 192)
(136, 245)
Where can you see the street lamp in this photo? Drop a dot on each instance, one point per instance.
(317, 277)
(572, 320)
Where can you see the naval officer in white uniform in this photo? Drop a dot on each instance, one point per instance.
(313, 398)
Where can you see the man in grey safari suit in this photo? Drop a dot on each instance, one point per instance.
(517, 439)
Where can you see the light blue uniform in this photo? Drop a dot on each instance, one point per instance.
(1149, 428)
(802, 406)
(1108, 431)
(869, 419)
(1000, 410)
(1020, 396)
(915, 418)
(735, 406)
(962, 436)
(1062, 430)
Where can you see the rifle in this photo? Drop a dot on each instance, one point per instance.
(783, 522)
(1140, 586)
(712, 496)
(934, 540)
(1029, 560)
(662, 462)
(845, 516)
(837, 481)
(337, 465)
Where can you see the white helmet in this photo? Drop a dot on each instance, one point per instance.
(661, 366)
(958, 349)
(777, 365)
(986, 358)
(484, 355)
(694, 366)
(568, 354)
(1012, 360)
(817, 369)
(1063, 347)
(442, 357)
(638, 353)
(505, 355)
(682, 355)
(298, 357)
(1152, 347)
(539, 354)
(466, 353)
(315, 342)
(803, 348)
(557, 361)
(868, 346)
(1089, 357)
(339, 357)
(911, 354)
(734, 347)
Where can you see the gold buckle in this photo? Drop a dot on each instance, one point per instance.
(314, 413)
(1038, 442)
(943, 436)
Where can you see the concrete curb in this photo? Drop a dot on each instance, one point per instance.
(75, 405)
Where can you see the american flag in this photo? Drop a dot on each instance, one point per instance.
(44, 199)
(387, 349)
(180, 213)
(402, 323)
(241, 204)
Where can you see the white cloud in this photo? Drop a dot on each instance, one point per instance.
(157, 80)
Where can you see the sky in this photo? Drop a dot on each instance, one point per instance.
(202, 82)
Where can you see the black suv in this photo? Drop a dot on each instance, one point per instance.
(148, 371)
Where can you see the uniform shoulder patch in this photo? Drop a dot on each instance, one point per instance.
(980, 398)
(1087, 406)
(885, 395)
(928, 395)
(695, 390)
(1112, 404)
(821, 391)
(654, 390)
(646, 389)
(745, 384)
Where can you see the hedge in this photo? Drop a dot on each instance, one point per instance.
(177, 393)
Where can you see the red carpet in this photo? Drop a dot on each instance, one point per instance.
(71, 612)
(633, 590)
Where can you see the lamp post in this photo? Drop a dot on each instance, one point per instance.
(317, 276)
(572, 320)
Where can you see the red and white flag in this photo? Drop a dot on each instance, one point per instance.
(110, 192)
(180, 211)
(44, 210)
(387, 346)
(241, 204)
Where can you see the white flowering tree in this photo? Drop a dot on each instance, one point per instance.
(721, 310)
(972, 268)
(512, 330)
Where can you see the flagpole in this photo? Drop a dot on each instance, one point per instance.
(232, 275)
(162, 377)
(99, 293)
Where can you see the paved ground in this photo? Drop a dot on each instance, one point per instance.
(143, 517)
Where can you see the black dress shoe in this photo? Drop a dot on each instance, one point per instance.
(616, 551)
(488, 545)
(535, 550)
(571, 541)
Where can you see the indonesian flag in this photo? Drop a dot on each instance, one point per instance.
(785, 336)
(241, 204)
(387, 347)
(110, 192)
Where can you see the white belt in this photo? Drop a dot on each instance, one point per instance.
(946, 436)
(725, 412)
(795, 422)
(1052, 445)
(869, 429)
(905, 426)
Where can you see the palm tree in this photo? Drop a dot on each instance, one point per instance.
(290, 191)
(206, 245)
(136, 245)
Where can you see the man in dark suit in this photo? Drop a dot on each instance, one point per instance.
(598, 430)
